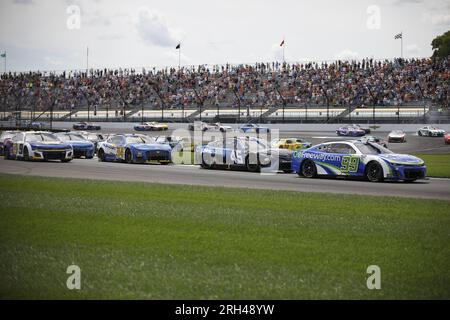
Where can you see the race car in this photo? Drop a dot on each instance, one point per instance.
(203, 126)
(397, 136)
(37, 145)
(351, 131)
(253, 128)
(431, 131)
(447, 138)
(374, 139)
(81, 147)
(4, 137)
(133, 148)
(86, 126)
(291, 144)
(151, 126)
(242, 152)
(357, 159)
(198, 126)
(366, 129)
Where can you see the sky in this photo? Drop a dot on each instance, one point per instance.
(55, 34)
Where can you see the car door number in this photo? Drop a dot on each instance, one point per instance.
(349, 164)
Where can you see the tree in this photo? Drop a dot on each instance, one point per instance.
(441, 45)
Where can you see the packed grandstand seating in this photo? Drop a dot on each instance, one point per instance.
(337, 84)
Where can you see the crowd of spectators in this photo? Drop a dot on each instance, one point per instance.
(340, 83)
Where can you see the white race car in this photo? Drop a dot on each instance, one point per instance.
(38, 145)
(431, 131)
(397, 136)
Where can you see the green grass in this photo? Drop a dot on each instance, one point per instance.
(438, 165)
(137, 240)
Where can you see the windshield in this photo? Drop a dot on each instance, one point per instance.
(371, 148)
(41, 137)
(137, 139)
(7, 135)
(69, 137)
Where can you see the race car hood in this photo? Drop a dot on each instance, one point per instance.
(401, 159)
(150, 146)
(50, 145)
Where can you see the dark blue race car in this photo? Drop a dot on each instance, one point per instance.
(85, 126)
(134, 148)
(81, 146)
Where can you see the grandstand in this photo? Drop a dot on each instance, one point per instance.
(369, 90)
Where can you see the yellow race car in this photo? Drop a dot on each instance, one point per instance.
(291, 144)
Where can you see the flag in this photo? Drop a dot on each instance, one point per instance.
(282, 43)
(3, 55)
(178, 46)
(398, 36)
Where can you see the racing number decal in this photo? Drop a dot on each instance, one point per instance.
(236, 157)
(120, 152)
(349, 164)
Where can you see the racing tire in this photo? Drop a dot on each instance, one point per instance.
(419, 133)
(308, 169)
(430, 134)
(101, 155)
(66, 160)
(26, 154)
(374, 172)
(252, 167)
(204, 164)
(128, 157)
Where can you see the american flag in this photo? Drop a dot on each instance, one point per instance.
(398, 36)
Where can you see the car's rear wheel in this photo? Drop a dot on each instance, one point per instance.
(128, 156)
(205, 163)
(308, 169)
(374, 172)
(252, 167)
(101, 155)
(419, 133)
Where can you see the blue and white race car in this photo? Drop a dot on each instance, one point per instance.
(248, 153)
(81, 147)
(37, 145)
(350, 131)
(357, 159)
(253, 128)
(134, 148)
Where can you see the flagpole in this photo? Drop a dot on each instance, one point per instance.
(401, 45)
(87, 59)
(179, 58)
(284, 46)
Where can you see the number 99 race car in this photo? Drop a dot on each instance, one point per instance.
(35, 145)
(134, 148)
(357, 159)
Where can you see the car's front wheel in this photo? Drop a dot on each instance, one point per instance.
(26, 154)
(374, 172)
(308, 169)
(101, 155)
(419, 133)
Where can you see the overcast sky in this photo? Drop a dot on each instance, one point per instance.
(51, 35)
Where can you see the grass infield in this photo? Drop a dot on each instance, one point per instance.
(438, 165)
(141, 240)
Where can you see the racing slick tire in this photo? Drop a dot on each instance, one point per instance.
(26, 154)
(251, 167)
(205, 165)
(374, 172)
(128, 156)
(101, 155)
(308, 169)
(419, 133)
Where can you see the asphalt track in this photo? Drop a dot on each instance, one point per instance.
(194, 175)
